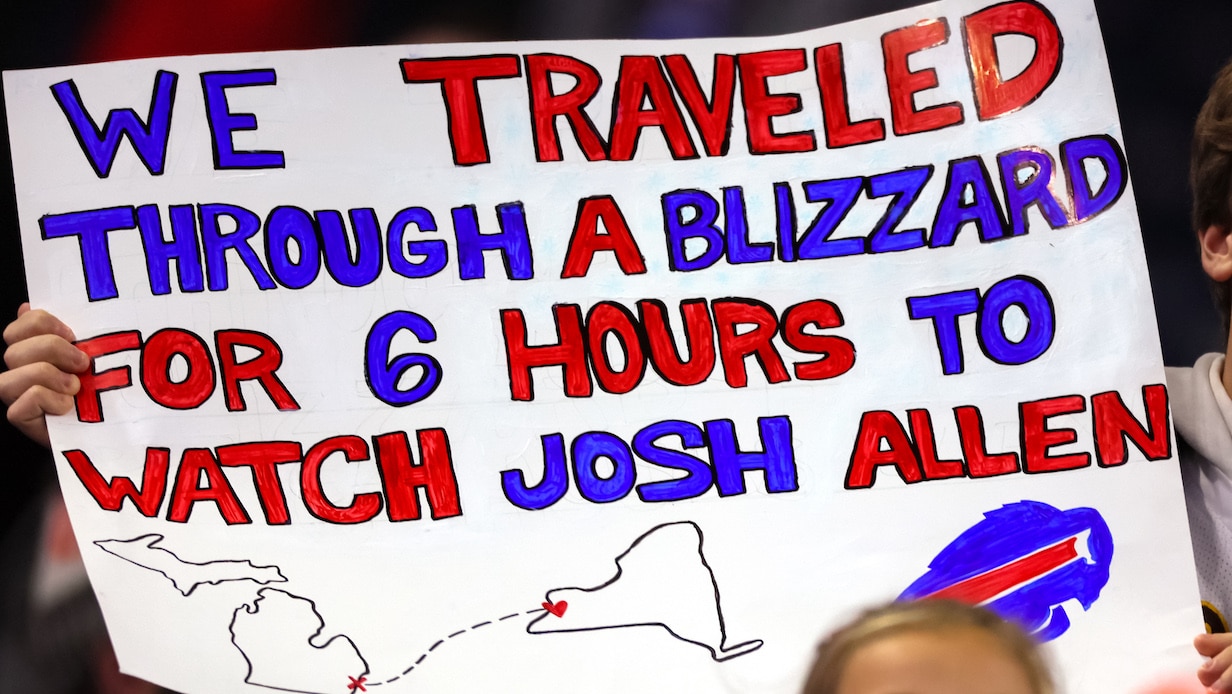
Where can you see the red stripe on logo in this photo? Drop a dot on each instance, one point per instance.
(988, 585)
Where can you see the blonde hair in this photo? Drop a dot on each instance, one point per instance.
(922, 616)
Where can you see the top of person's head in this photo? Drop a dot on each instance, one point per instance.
(939, 618)
(1210, 169)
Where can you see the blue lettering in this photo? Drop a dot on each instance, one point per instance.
(588, 448)
(364, 268)
(182, 248)
(728, 464)
(736, 224)
(944, 310)
(968, 174)
(840, 196)
(91, 228)
(785, 221)
(513, 242)
(905, 186)
(777, 460)
(284, 226)
(148, 138)
(1033, 299)
(699, 478)
(553, 486)
(700, 226)
(223, 122)
(434, 251)
(383, 373)
(1033, 190)
(216, 243)
(1074, 153)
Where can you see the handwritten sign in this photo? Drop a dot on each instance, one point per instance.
(606, 366)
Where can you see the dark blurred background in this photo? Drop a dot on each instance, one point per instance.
(1162, 56)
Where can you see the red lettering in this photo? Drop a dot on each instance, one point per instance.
(545, 106)
(459, 86)
(110, 496)
(1114, 422)
(897, 46)
(1037, 438)
(713, 117)
(925, 444)
(664, 354)
(586, 239)
(641, 79)
(838, 353)
(402, 477)
(995, 97)
(569, 352)
(735, 346)
(882, 441)
(832, 81)
(363, 507)
(980, 463)
(877, 427)
(760, 106)
(260, 368)
(186, 493)
(263, 459)
(156, 358)
(89, 407)
(201, 477)
(607, 318)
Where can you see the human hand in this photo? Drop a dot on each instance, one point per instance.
(1216, 673)
(41, 362)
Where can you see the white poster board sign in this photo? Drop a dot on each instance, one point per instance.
(606, 366)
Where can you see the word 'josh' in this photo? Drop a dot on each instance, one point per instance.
(647, 89)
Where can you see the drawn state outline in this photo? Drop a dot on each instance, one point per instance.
(259, 668)
(124, 549)
(718, 648)
(674, 536)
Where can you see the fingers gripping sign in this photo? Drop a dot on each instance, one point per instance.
(42, 370)
(48, 369)
(1215, 673)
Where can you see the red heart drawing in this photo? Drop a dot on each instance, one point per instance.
(556, 608)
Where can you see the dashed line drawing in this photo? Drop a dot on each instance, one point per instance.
(662, 580)
(423, 656)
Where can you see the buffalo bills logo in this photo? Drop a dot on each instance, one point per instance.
(1023, 561)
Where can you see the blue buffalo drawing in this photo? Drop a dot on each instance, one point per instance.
(1023, 561)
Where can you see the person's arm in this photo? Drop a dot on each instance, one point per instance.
(40, 379)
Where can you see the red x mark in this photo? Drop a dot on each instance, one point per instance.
(357, 684)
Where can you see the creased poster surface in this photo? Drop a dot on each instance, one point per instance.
(606, 366)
